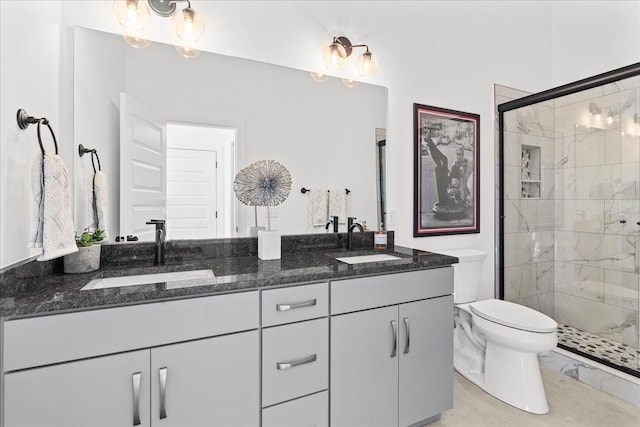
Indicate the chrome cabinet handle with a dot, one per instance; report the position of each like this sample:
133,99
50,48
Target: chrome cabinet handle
162,372
408,341
286,365
135,380
394,329
292,306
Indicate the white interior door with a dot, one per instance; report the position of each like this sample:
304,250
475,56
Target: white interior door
191,194
143,161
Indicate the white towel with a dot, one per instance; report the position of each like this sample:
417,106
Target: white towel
318,204
52,218
97,203
338,204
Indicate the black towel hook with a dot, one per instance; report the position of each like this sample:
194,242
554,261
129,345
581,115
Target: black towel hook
24,120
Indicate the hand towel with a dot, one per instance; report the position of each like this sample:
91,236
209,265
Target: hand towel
338,204
318,204
97,202
52,217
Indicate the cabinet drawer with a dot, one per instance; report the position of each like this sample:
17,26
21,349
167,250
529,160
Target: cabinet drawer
52,339
294,360
389,289
307,411
287,305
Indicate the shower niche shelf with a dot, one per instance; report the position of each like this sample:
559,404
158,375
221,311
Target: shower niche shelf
530,172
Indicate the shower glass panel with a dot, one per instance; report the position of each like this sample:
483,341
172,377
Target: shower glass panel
570,220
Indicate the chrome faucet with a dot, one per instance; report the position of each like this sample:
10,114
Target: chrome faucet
350,226
334,221
160,239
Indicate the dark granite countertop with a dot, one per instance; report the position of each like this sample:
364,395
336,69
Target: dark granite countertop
37,289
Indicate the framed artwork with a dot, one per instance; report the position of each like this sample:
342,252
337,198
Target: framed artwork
446,171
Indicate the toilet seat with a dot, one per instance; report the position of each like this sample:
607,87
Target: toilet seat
513,315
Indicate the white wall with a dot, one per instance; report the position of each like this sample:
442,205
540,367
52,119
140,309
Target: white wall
30,55
596,37
442,53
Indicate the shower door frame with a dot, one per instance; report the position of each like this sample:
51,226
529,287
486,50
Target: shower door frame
567,89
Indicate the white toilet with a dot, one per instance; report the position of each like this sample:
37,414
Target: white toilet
496,343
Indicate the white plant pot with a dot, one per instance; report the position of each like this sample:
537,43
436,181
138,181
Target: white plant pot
85,260
269,244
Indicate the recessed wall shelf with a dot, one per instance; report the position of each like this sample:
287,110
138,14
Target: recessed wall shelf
531,183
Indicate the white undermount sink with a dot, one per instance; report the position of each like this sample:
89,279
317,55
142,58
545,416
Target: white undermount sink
175,279
367,258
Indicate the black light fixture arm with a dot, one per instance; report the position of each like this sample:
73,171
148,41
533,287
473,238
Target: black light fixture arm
347,45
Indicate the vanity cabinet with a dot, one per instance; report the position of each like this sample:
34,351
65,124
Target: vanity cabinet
391,348
211,382
86,379
367,351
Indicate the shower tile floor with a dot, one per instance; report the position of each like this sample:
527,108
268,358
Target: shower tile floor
603,348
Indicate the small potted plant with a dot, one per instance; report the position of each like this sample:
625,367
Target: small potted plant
88,256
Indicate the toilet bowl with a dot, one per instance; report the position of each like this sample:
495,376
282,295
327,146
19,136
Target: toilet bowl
496,343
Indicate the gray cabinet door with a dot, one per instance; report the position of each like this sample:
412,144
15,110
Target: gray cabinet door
426,359
88,393
364,371
210,382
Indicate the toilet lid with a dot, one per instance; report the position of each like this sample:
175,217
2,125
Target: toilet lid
513,315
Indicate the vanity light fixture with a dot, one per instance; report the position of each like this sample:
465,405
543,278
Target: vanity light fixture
335,54
133,15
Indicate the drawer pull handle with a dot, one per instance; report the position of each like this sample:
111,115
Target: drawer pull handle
135,381
408,340
162,372
394,329
292,306
286,365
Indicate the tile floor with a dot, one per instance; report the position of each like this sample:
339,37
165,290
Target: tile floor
603,348
571,404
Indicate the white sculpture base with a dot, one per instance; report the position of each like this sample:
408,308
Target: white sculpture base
253,231
269,244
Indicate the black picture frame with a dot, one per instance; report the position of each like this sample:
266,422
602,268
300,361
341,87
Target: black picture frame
446,171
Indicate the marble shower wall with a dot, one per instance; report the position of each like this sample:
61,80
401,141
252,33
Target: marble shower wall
597,211
529,220
571,253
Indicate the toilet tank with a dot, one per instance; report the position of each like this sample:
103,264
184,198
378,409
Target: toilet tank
466,273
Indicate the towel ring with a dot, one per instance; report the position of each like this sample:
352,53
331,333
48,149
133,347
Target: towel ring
94,153
53,135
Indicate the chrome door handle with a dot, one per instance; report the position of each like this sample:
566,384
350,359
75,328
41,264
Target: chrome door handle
162,372
407,343
135,382
286,365
292,306
394,329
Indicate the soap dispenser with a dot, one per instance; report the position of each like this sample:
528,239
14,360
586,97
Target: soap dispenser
380,238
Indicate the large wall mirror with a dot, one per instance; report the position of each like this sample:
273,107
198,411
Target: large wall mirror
171,134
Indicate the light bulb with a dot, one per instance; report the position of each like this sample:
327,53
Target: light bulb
187,52
367,64
189,26
318,77
137,42
350,82
333,56
133,15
